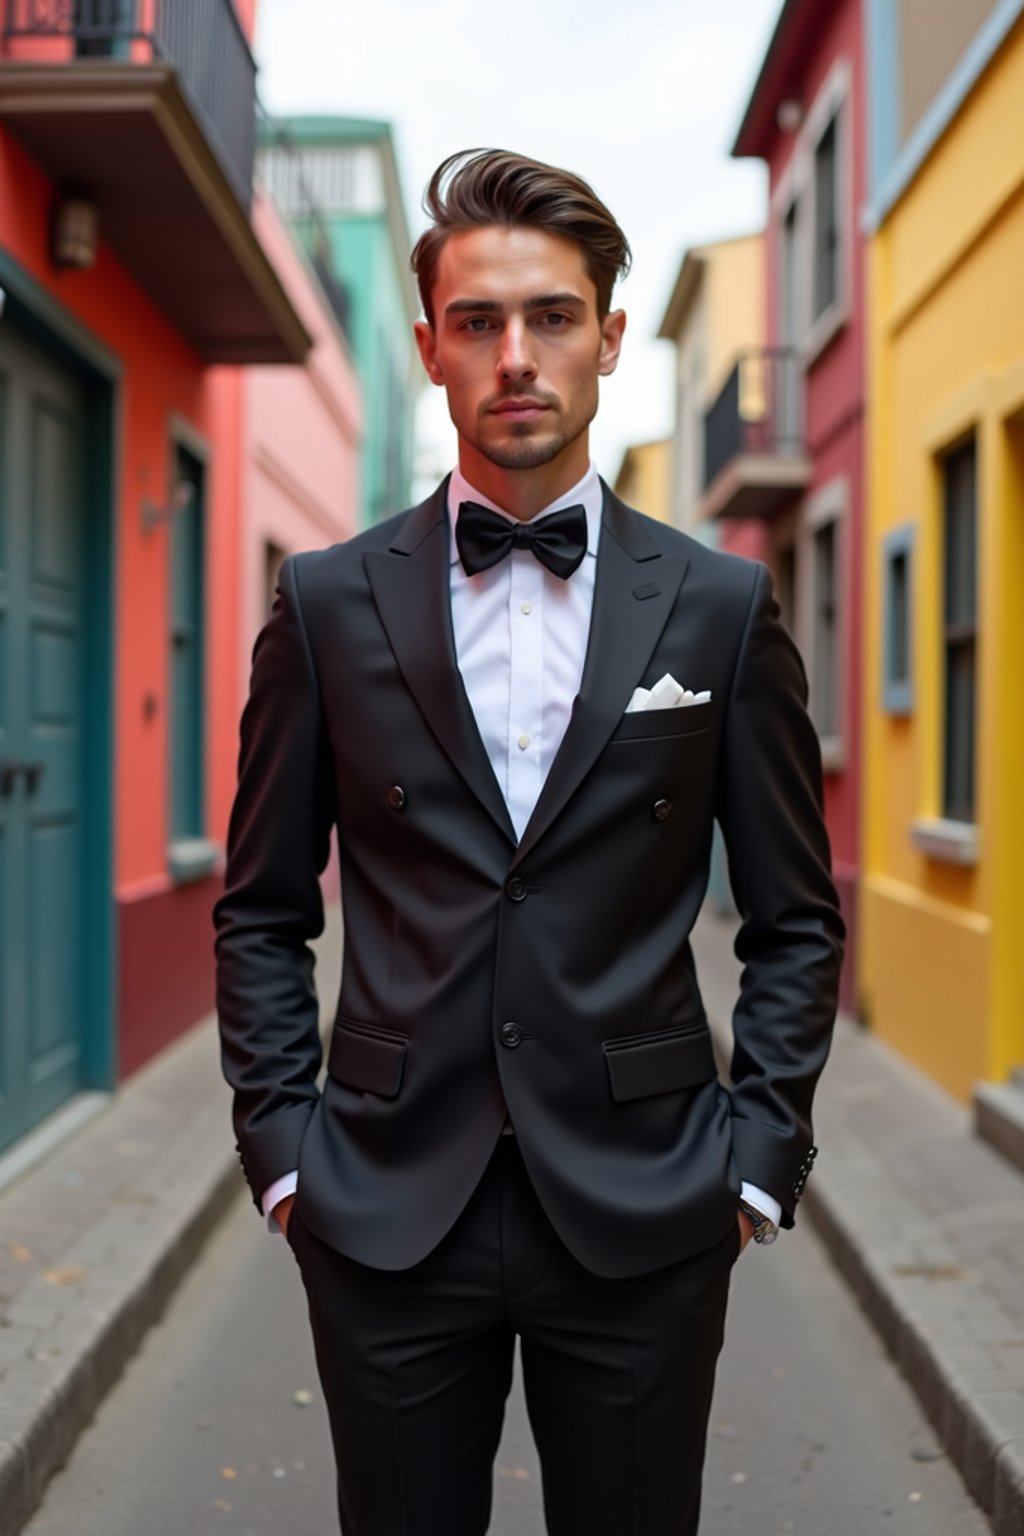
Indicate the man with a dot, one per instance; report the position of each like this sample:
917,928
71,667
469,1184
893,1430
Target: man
521,1130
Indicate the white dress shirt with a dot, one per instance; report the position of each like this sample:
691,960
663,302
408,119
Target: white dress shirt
520,642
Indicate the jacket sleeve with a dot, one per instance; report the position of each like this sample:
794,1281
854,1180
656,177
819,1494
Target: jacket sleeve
278,845
790,940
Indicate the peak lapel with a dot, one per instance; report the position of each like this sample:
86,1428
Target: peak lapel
410,586
634,590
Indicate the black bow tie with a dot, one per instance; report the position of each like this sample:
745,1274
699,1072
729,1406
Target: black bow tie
559,540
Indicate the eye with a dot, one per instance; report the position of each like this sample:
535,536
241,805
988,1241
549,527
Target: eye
475,324
555,320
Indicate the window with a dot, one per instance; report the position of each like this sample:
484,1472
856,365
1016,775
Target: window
897,693
826,221
824,637
186,701
820,614
785,584
813,217
273,559
960,626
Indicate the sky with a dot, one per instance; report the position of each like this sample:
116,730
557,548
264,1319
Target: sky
643,99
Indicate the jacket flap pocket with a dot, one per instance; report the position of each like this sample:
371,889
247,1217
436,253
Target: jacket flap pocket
371,1062
659,1064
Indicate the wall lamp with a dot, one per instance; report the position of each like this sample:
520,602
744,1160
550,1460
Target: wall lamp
180,499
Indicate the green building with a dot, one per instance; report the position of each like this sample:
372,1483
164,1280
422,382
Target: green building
336,181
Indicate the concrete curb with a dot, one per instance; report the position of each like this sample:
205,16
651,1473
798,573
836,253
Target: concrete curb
117,1213
979,1437
47,1403
925,1223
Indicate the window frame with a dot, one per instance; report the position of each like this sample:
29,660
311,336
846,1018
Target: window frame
190,857
798,185
829,505
897,692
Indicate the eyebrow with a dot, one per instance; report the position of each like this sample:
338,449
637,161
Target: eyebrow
491,306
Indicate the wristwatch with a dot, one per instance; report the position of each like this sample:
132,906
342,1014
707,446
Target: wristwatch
765,1230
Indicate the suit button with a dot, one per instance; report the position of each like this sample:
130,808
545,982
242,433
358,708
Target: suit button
516,889
662,810
511,1035
396,797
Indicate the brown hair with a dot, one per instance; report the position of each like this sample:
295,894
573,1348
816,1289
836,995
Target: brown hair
479,187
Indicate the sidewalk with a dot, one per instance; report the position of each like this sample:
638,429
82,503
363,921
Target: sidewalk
926,1223
95,1238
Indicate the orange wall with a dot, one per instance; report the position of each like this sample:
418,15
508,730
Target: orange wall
161,377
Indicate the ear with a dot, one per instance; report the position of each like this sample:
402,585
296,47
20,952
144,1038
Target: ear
612,328
427,343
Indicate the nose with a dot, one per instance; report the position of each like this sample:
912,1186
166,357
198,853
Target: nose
514,359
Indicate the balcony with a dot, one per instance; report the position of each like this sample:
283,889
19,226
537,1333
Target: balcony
148,109
755,464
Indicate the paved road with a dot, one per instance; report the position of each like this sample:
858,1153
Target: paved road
813,1431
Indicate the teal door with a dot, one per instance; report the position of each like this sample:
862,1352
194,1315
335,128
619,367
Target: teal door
43,413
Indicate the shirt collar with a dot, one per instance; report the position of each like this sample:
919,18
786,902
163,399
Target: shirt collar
587,493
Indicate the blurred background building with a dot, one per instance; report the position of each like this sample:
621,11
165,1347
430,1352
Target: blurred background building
206,363
359,236
179,409
943,901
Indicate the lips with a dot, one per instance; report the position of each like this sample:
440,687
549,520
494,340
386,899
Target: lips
520,410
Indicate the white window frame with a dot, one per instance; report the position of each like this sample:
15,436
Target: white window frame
828,505
833,101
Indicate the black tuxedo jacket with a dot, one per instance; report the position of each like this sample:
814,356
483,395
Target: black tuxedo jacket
553,977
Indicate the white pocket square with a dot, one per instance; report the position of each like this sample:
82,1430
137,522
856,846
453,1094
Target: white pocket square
666,694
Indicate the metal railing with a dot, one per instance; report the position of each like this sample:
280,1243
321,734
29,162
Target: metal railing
759,409
283,172
203,41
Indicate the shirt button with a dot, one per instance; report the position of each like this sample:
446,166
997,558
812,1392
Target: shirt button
523,743
526,608
511,1035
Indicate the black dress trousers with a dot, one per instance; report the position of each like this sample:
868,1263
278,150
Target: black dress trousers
416,1365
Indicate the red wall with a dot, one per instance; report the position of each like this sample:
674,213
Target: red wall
835,397
162,379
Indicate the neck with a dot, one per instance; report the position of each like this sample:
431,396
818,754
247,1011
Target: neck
522,493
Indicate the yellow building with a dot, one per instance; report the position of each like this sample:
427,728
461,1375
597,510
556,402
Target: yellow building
715,313
942,915
643,478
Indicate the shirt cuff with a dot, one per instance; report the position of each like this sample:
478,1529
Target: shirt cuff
281,1188
758,1198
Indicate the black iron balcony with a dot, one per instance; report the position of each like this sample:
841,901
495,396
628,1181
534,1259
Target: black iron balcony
201,39
755,463
147,109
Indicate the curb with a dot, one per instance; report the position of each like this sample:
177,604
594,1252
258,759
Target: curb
38,1432
981,1448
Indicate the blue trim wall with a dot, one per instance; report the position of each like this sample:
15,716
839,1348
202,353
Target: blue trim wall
891,169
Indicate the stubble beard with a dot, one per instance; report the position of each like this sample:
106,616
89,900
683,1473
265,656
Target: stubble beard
529,449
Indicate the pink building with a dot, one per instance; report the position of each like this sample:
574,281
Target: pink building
785,438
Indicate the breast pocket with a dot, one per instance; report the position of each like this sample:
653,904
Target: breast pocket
656,724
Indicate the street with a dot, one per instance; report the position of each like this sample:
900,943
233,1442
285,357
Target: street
210,1430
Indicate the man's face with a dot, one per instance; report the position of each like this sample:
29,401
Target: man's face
518,346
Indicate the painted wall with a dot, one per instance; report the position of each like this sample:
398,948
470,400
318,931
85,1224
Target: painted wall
942,968
643,478
162,383
834,415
